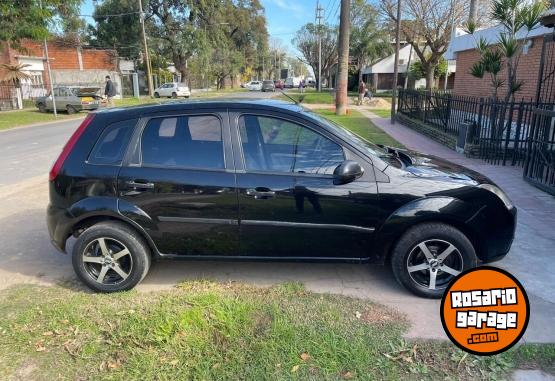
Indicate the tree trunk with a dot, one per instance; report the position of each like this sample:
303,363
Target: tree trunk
429,77
341,99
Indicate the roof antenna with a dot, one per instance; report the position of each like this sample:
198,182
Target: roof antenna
288,96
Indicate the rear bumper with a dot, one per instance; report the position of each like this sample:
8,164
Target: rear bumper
59,226
89,107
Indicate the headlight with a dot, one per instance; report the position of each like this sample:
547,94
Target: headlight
499,193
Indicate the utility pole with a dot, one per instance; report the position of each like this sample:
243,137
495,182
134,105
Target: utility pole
319,16
147,56
396,68
341,99
49,74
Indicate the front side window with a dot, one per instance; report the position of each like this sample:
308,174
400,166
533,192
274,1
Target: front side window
277,145
183,141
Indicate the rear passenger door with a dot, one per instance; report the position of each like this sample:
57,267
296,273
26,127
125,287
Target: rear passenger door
178,182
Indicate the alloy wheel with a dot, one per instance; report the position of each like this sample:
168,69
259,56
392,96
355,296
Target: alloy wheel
107,261
433,263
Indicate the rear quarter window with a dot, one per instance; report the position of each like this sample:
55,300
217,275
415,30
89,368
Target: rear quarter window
110,146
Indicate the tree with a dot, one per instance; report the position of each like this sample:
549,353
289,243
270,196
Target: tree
187,31
27,19
416,71
341,99
427,25
13,73
368,42
306,41
117,32
513,16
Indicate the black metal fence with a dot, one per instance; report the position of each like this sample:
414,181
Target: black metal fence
499,133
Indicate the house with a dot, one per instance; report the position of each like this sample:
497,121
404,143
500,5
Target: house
71,65
380,75
463,49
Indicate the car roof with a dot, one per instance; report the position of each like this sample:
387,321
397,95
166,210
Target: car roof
184,105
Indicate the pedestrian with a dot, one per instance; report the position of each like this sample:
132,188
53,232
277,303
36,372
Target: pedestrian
109,92
301,86
361,92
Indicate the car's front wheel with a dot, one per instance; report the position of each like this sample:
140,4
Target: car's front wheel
111,256
428,256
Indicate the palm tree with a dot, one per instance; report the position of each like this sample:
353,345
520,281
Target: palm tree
14,73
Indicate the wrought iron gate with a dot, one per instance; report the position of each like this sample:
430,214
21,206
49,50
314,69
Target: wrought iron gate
539,168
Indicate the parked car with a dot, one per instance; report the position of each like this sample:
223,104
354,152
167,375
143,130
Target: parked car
255,86
172,90
279,182
279,84
70,99
291,82
246,85
268,86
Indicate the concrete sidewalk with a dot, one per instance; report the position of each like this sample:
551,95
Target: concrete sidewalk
532,257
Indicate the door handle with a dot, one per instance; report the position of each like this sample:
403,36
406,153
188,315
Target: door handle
261,193
140,184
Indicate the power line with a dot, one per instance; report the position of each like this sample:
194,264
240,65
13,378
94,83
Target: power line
330,9
111,15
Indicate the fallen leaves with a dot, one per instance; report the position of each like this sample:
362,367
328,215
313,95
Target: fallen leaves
39,346
305,356
295,368
347,375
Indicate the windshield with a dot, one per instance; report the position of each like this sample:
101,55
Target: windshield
371,148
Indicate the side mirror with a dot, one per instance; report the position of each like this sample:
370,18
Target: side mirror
347,172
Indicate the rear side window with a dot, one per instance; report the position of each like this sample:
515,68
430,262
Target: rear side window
183,141
111,145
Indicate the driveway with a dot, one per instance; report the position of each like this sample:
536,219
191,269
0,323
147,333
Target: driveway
26,255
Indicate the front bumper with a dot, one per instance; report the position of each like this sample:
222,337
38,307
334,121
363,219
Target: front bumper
496,232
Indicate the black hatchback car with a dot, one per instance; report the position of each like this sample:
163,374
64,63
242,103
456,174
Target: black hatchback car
264,180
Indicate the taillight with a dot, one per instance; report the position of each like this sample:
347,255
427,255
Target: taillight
69,146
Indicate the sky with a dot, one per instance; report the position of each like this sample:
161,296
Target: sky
284,17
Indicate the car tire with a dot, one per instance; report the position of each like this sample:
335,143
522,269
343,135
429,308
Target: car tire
428,256
90,263
42,107
70,109
174,95
156,95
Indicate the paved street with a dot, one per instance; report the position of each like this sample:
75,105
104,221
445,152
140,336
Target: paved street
26,254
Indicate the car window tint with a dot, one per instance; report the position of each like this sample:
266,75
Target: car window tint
278,145
192,142
111,144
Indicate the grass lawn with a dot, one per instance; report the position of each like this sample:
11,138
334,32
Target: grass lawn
362,126
311,96
9,119
383,113
213,331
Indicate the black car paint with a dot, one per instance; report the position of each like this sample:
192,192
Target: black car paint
234,213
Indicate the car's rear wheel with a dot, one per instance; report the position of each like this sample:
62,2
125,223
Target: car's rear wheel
156,95
42,107
70,109
111,257
428,256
